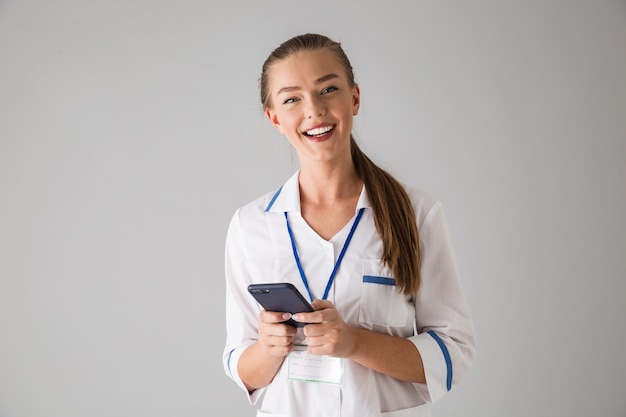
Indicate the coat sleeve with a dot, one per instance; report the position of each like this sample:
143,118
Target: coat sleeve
445,333
241,310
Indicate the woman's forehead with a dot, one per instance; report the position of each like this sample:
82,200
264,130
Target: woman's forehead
305,67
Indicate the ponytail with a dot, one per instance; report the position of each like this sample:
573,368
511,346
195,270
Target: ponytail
395,221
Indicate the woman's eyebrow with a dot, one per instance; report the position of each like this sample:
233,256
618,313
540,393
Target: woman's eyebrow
318,81
287,90
326,78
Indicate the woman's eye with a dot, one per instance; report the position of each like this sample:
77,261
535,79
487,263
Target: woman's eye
290,100
329,90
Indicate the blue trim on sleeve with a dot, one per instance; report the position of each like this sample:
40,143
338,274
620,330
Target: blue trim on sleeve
379,280
229,355
446,356
269,206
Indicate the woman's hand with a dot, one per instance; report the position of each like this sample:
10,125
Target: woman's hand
260,362
275,338
327,334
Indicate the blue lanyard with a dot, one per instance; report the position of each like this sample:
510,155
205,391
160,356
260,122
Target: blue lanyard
332,274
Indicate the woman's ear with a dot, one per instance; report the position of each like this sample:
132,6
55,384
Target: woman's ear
356,100
273,118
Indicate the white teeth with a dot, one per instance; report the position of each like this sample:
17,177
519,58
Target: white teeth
319,131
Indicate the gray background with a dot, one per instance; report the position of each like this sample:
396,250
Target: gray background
130,132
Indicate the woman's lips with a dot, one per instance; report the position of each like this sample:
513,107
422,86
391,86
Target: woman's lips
319,132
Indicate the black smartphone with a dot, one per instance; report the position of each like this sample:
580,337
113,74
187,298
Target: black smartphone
281,296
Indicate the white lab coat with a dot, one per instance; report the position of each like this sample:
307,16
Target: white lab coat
258,249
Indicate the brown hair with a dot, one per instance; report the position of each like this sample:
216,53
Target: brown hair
394,215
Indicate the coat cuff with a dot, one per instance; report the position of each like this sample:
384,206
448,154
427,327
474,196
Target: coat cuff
231,363
437,366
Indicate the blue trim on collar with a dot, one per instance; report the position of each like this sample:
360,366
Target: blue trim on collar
446,356
269,206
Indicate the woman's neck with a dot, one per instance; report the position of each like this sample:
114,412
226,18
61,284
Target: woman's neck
329,185
328,198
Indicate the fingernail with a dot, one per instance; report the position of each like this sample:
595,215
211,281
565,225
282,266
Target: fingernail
286,316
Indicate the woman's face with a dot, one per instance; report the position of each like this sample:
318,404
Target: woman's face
313,105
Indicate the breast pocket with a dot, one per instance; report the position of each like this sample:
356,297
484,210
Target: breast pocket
381,302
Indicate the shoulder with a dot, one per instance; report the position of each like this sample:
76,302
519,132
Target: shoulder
257,207
424,203
281,199
249,220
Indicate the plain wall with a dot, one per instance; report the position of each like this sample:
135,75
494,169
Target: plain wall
131,131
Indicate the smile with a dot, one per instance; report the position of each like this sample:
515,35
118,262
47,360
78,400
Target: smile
319,131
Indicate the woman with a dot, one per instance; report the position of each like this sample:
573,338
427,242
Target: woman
391,329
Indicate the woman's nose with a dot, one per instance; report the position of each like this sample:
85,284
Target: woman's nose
315,108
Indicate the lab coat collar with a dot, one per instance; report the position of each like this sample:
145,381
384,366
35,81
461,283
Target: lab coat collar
287,198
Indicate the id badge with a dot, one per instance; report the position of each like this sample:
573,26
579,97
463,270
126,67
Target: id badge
304,366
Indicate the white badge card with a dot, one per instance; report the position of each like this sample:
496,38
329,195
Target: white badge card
314,368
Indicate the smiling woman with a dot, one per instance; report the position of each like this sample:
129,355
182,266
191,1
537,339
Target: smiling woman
373,255
311,101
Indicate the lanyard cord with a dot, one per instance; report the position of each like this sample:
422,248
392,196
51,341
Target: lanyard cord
339,259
